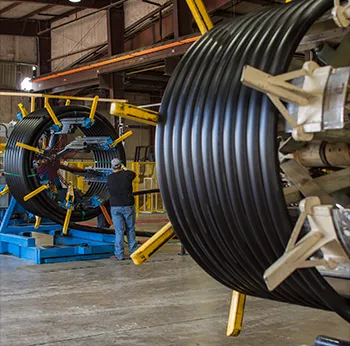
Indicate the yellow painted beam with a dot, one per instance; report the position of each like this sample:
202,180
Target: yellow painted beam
200,15
23,110
235,320
36,192
134,113
2,147
57,97
153,244
29,147
121,138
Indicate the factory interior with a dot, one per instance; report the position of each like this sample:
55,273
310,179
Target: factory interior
175,172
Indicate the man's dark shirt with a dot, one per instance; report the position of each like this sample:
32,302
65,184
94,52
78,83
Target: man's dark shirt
120,188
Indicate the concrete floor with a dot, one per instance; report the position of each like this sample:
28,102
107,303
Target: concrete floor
167,301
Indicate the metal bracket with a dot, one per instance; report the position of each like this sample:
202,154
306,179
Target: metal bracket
341,14
309,99
68,123
323,236
89,143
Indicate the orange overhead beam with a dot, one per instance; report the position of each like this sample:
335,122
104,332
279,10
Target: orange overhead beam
116,59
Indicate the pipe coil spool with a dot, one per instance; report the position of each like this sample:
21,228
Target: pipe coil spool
18,162
217,157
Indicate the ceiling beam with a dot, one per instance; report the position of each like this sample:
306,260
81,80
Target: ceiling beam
9,26
82,4
66,14
9,7
34,13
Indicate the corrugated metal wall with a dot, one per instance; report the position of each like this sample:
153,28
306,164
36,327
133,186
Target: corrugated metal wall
12,75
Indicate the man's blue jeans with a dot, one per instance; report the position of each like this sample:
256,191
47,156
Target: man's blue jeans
124,216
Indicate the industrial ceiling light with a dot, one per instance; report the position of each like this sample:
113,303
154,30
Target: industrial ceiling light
74,0
27,84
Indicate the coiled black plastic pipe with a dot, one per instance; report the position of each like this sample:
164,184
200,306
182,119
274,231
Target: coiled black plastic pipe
217,156
21,178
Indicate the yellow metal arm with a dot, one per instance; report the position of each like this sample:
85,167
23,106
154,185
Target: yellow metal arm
235,320
29,147
69,205
35,192
131,112
23,110
93,109
5,191
51,112
37,222
200,15
153,244
121,138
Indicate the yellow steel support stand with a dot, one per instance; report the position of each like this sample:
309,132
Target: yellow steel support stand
235,320
5,191
35,192
70,207
67,103
131,112
153,244
37,222
23,110
32,104
29,147
121,138
51,112
200,15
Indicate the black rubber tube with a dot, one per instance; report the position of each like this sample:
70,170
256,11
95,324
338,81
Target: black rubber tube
21,178
217,158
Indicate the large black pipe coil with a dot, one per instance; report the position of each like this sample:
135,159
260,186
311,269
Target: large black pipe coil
18,165
217,156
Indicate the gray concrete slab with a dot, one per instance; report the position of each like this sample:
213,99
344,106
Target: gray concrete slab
167,301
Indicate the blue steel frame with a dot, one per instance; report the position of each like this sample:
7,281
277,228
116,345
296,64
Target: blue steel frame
77,245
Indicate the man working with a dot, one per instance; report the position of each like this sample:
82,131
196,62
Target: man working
122,207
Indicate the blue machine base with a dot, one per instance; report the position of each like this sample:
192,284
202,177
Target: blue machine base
18,241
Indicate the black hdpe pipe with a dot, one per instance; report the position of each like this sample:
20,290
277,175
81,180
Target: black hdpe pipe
18,162
217,161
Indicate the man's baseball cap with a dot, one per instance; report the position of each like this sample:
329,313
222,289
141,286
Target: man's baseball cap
116,163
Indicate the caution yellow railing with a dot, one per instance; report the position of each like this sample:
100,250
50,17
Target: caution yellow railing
146,179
